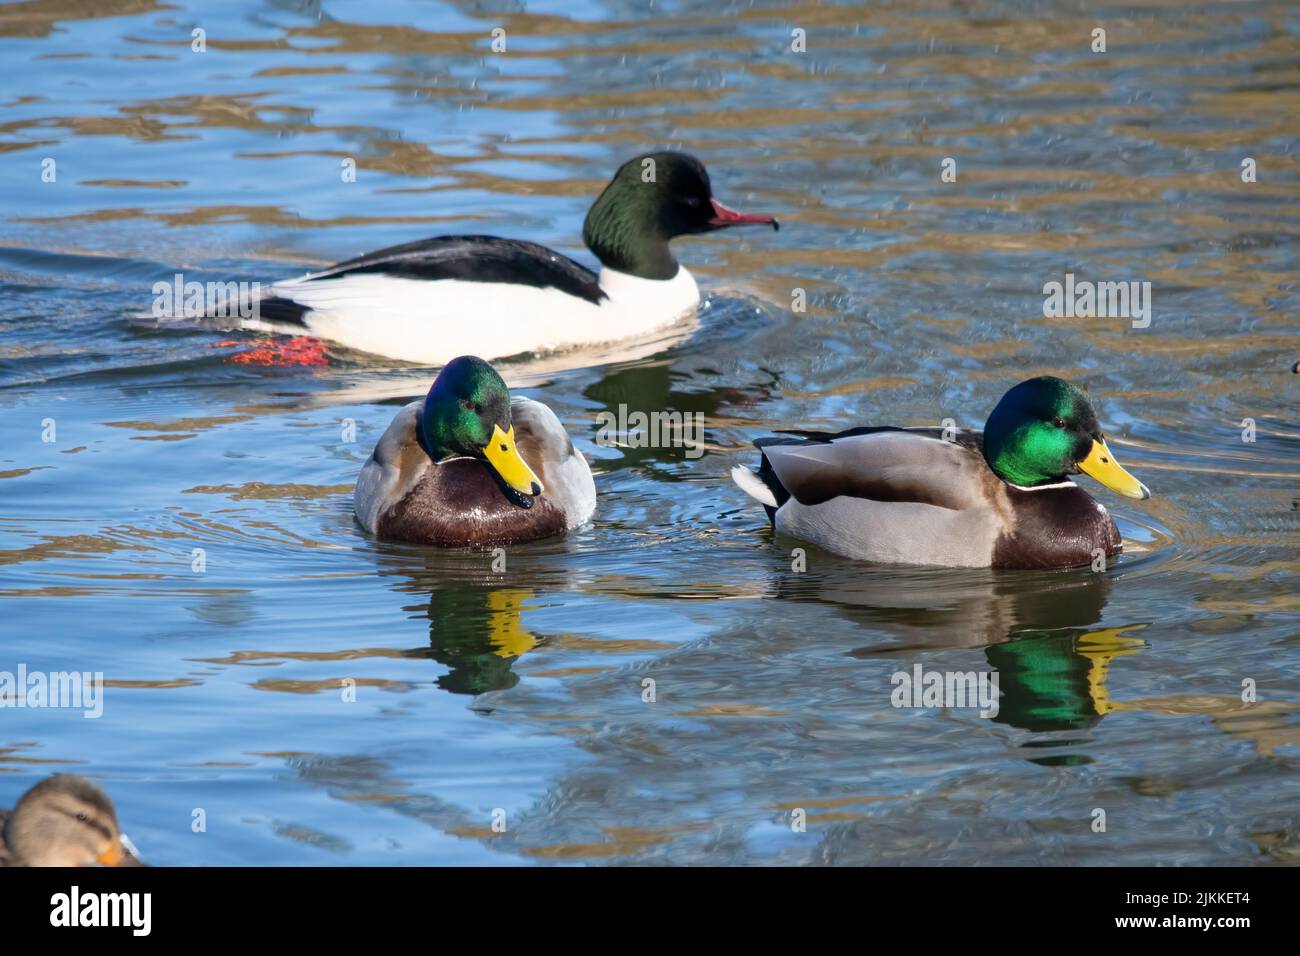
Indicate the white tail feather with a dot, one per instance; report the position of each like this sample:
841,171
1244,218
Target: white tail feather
753,485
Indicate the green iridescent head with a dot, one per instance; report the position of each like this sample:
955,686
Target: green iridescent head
652,199
1045,429
467,415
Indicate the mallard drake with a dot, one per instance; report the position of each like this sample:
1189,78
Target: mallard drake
470,465
64,820
430,300
959,498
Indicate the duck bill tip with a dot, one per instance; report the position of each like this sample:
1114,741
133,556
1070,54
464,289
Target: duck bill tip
120,854
725,216
1101,466
503,457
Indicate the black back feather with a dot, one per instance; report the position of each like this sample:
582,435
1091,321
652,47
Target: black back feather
476,259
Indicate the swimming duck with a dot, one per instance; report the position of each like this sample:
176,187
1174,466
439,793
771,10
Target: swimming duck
430,300
64,820
470,465
918,496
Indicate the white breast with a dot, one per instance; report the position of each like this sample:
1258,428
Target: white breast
433,321
644,305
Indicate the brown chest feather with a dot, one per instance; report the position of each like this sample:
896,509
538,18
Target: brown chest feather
459,503
1057,528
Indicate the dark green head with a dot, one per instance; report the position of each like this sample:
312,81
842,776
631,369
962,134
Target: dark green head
1045,429
651,200
467,414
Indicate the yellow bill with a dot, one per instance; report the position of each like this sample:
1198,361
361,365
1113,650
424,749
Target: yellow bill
1101,465
504,457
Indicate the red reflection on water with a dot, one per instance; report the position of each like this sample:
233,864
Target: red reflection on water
276,352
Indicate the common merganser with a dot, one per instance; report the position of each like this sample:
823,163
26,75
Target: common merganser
435,299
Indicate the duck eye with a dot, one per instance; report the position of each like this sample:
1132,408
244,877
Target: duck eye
1058,421
692,201
82,816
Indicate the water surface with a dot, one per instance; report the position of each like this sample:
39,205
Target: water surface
520,692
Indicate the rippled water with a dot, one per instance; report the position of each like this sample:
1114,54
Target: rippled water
521,691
